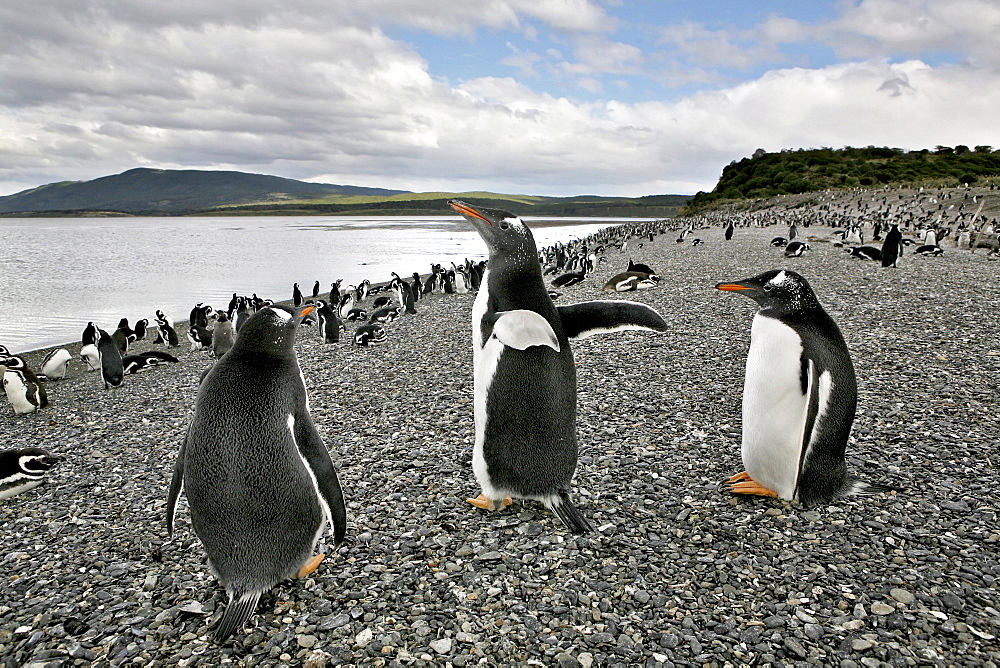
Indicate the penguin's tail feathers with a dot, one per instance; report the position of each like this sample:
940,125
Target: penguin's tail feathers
564,509
856,486
237,614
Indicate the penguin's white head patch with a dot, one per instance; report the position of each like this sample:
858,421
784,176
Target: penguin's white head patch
781,280
514,223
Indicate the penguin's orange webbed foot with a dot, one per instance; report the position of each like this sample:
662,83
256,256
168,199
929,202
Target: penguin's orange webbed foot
486,503
310,566
752,487
739,477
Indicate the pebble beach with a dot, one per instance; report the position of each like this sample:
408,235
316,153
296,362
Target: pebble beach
678,572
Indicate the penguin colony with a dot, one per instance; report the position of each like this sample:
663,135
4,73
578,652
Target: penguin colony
793,450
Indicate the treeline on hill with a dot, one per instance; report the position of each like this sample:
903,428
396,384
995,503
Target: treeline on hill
792,172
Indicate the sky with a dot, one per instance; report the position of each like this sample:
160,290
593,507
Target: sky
546,97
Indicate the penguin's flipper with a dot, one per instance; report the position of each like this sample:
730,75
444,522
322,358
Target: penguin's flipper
603,316
176,483
522,329
317,458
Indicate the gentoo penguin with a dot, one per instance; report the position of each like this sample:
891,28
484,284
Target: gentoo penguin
112,368
223,335
371,334
55,364
796,248
892,246
730,228
330,325
524,374
90,357
23,469
24,391
799,395
258,478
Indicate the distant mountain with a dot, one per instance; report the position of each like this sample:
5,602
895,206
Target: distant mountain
172,192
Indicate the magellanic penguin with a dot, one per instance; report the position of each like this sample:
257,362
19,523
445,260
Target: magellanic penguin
799,395
112,368
258,478
23,469
525,378
25,392
892,246
55,364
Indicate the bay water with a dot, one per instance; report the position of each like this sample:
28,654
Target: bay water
56,274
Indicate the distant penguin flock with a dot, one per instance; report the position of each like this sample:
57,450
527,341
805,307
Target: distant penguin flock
261,485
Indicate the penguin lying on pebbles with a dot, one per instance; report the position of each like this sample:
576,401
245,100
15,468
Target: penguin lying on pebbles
259,481
799,396
525,378
23,469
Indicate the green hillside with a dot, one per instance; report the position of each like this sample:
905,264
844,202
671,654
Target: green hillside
170,192
810,170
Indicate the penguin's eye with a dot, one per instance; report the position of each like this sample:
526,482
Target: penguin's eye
504,225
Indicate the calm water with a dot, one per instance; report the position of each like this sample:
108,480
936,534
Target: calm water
56,274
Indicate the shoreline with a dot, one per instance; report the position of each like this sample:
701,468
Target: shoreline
677,571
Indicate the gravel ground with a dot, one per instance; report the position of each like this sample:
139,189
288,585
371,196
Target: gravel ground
679,572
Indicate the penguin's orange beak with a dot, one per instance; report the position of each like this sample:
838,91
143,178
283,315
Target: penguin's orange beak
732,287
467,210
307,310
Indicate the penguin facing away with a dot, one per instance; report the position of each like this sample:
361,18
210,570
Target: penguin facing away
259,481
799,396
524,374
112,368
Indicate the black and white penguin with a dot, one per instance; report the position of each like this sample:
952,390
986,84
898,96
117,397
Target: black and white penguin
779,242
892,246
242,315
730,229
346,304
381,301
415,286
799,395
223,335
55,364
140,329
90,334
200,337
792,232
404,295
23,469
112,368
568,278
796,248
297,298
259,480
387,314
24,391
315,293
639,267
90,357
928,249
123,336
330,324
335,292
629,281
371,334
866,253
168,334
134,363
525,377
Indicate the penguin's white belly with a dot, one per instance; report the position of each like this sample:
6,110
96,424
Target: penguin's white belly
484,364
17,392
774,406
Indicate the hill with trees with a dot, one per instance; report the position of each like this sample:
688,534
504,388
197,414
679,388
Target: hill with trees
809,170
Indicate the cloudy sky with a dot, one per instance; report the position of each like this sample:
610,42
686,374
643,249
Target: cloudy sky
554,97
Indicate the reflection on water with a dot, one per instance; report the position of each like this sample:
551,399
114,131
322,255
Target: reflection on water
56,274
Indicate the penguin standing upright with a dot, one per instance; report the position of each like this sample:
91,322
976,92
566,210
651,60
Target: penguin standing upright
223,335
799,395
404,295
730,228
23,469
112,367
259,481
297,298
24,391
892,246
330,324
524,374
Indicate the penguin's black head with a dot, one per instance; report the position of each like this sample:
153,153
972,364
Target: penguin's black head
271,330
35,460
501,230
778,290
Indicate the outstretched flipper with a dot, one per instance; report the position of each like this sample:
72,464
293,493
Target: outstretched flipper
603,316
522,329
